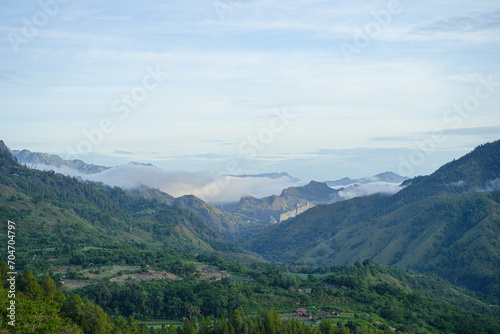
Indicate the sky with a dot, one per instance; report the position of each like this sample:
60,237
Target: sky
318,89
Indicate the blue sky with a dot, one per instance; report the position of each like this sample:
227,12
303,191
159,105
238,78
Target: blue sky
319,89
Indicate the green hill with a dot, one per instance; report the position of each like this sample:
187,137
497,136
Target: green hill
220,221
477,171
445,223
53,210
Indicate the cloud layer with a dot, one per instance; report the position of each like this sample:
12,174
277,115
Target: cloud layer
379,187
205,185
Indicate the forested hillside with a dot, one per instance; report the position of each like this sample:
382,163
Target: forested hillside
55,211
447,223
361,298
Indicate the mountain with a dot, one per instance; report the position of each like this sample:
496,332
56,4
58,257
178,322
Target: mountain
316,192
213,217
53,210
141,164
262,212
236,220
220,221
295,200
257,212
35,158
388,177
476,171
383,183
263,209
301,208
3,148
446,223
153,194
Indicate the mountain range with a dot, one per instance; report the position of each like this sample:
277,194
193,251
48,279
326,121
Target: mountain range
388,177
173,256
57,210
447,223
36,158
236,220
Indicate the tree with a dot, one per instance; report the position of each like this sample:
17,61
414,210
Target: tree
326,327
189,327
237,320
49,288
29,285
4,269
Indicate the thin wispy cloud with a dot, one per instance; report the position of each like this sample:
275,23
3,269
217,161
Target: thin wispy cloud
477,21
474,131
123,152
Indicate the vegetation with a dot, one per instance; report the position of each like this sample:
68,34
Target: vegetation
360,298
62,212
41,308
446,223
95,259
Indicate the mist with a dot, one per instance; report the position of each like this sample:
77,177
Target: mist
366,189
491,185
210,187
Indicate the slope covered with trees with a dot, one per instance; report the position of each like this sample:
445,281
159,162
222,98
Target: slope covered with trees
447,223
53,210
360,298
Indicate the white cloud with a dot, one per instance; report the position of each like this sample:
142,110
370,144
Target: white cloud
203,184
359,190
491,185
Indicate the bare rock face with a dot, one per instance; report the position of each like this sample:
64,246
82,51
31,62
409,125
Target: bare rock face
293,213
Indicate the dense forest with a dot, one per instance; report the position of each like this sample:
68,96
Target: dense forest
361,298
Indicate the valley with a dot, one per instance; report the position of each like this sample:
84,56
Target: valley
424,259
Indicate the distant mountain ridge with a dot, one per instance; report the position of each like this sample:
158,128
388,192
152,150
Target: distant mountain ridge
269,176
388,177
471,173
37,158
295,200
316,192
